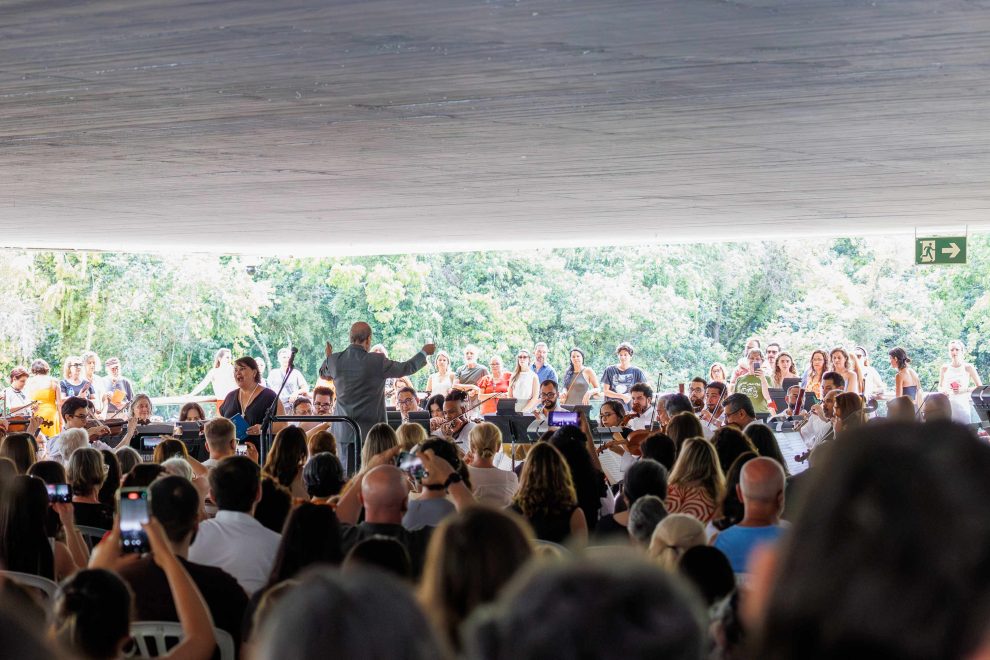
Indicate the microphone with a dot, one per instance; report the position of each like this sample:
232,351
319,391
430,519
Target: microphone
292,358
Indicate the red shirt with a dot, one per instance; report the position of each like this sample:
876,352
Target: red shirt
491,385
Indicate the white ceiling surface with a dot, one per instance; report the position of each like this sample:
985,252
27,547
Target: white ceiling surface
326,127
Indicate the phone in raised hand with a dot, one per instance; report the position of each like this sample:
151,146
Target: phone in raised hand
134,507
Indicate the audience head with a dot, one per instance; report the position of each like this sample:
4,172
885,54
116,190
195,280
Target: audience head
380,552
697,464
108,491
409,435
583,610
765,442
86,472
644,516
716,373
235,484
51,472
485,440
128,457
661,448
675,535
323,475
274,506
175,504
936,408
682,426
332,610
221,437
320,442
92,614
311,536
384,494
24,545
19,448
901,409
471,556
895,576
178,467
729,443
286,456
142,475
709,570
170,448
731,507
545,486
644,477
678,403
381,437
761,485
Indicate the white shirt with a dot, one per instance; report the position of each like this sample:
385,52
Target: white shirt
815,431
494,486
238,544
461,439
523,388
642,421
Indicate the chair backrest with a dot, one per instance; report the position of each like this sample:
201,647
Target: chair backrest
27,580
550,548
93,535
155,638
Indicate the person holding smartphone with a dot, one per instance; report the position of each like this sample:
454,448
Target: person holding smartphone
754,383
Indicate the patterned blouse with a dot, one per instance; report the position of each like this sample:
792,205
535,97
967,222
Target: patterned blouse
691,500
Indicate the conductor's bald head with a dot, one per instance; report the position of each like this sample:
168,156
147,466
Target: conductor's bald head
361,333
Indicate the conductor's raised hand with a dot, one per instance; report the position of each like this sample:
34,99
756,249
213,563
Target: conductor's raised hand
329,350
429,349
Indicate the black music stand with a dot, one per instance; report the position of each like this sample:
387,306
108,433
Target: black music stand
513,427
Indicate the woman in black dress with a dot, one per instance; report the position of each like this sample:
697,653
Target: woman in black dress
250,399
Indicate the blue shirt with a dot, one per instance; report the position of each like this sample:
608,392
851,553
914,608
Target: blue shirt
737,542
545,372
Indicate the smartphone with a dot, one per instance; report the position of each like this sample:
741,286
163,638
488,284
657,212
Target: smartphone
558,418
757,365
241,449
133,505
59,494
411,464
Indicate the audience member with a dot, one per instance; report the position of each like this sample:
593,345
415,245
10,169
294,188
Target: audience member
221,440
174,503
906,382
491,485
644,516
86,474
285,460
708,569
320,442
761,489
19,448
765,442
580,382
846,366
380,438
274,506
432,505
936,408
546,497
471,557
901,409
468,377
108,491
441,381
685,425
311,536
324,477
234,540
676,534
730,509
127,457
142,475
661,448
409,436
584,610
730,442
380,552
696,483
586,475
645,477
618,379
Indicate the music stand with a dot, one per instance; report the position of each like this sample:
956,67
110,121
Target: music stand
506,407
512,426
778,396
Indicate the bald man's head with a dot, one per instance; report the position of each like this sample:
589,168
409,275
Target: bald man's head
937,407
384,493
762,479
360,333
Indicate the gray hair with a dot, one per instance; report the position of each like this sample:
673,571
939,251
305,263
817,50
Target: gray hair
71,440
178,467
644,516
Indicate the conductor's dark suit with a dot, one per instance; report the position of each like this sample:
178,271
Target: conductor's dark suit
359,377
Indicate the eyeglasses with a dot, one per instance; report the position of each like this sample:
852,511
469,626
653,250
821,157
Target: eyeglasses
406,402
603,415
76,364
83,416
322,405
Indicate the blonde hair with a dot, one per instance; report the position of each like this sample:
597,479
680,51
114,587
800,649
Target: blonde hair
697,465
485,440
69,360
673,536
410,435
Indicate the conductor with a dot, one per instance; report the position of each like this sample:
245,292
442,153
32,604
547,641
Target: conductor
359,377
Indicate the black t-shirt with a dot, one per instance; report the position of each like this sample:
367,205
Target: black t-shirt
555,528
255,413
93,515
609,529
622,381
153,599
415,540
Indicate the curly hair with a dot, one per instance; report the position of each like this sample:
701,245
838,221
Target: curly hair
546,486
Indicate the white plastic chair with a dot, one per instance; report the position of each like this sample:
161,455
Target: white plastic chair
165,634
27,580
92,535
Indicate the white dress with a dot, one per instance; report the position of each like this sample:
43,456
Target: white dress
962,404
522,389
440,385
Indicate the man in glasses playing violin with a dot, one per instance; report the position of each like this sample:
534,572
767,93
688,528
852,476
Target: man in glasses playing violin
75,414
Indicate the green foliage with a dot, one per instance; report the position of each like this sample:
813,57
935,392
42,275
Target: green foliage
682,306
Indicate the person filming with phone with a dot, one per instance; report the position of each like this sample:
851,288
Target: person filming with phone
754,382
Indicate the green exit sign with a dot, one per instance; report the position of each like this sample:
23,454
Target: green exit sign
940,250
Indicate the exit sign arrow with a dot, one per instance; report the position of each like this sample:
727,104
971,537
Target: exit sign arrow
953,250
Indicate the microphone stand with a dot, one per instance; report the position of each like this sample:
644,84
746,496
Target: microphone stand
656,400
270,414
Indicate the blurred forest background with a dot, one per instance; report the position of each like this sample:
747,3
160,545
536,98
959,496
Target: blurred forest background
682,306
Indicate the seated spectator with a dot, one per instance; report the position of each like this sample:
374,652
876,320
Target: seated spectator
142,475
739,410
320,442
546,497
274,506
675,535
761,489
69,441
26,546
661,448
696,483
578,451
221,440
708,569
765,442
311,536
471,557
901,409
234,540
894,576
380,552
108,491
285,460
685,425
730,509
381,438
51,472
582,610
86,475
127,457
18,447
330,611
324,477
432,505
410,435
491,485
178,467
936,408
644,477
93,609
644,516
730,443
8,471
175,504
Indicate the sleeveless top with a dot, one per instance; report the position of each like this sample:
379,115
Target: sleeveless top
956,375
255,412
961,403
576,389
441,386
910,391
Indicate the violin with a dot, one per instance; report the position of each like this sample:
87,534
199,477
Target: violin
18,421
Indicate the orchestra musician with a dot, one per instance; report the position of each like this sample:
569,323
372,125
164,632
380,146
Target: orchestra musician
75,415
457,425
713,415
15,396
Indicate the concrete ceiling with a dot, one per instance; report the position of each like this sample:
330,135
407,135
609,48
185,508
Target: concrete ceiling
369,126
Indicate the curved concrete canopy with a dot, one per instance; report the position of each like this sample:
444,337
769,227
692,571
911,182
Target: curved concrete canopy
326,128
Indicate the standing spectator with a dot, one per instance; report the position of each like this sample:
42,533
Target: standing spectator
492,386
618,379
295,386
783,368
442,380
544,371
524,386
580,382
117,390
221,377
956,380
469,376
906,382
73,383
812,378
848,368
873,385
